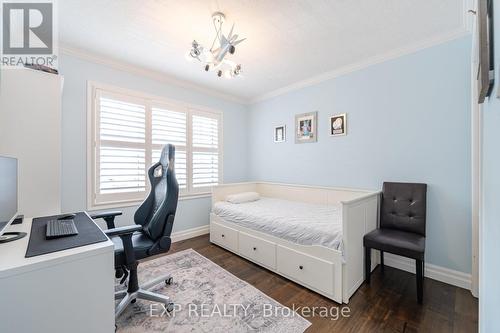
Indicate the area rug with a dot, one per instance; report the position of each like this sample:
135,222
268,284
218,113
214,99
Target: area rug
207,299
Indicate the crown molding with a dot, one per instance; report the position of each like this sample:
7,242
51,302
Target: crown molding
144,72
165,78
396,53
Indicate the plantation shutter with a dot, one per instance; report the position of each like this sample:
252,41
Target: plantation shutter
171,127
205,150
121,153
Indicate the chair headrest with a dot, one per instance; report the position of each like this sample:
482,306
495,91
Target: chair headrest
167,157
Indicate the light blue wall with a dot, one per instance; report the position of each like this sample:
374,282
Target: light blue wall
408,120
489,269
191,213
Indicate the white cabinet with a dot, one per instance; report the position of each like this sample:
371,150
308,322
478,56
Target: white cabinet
30,130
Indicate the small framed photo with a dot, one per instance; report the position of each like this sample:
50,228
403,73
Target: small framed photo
338,124
306,127
280,133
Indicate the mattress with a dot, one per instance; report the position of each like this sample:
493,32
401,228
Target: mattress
301,223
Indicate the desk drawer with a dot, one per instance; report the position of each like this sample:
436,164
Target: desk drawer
311,271
224,236
258,250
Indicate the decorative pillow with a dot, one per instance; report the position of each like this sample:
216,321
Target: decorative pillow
243,197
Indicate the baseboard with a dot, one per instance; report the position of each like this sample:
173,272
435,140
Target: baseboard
446,275
189,233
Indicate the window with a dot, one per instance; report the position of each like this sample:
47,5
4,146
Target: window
127,134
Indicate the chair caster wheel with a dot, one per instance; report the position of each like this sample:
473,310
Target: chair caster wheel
133,301
170,307
169,281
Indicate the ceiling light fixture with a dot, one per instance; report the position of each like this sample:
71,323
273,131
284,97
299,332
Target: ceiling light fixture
215,59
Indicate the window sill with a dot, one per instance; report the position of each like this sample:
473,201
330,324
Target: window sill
126,204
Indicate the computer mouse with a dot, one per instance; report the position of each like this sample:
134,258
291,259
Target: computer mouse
67,217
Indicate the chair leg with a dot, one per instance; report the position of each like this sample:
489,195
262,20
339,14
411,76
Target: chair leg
135,292
420,279
153,297
158,280
423,272
368,264
129,297
120,294
382,261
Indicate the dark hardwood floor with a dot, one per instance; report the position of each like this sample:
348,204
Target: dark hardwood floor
388,305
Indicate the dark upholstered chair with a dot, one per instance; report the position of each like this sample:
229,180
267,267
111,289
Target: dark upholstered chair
149,236
402,228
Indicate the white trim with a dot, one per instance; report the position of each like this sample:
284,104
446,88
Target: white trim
144,95
476,144
190,233
438,273
393,54
182,197
89,142
147,73
476,188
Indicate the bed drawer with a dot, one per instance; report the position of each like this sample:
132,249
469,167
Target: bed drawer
311,271
224,236
258,250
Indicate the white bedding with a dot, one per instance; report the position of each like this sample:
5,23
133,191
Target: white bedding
301,223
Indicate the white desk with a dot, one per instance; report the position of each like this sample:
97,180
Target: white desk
65,291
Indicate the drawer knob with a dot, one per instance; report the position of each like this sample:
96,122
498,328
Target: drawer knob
301,267
255,249
222,235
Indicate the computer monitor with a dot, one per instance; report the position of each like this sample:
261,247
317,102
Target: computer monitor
8,192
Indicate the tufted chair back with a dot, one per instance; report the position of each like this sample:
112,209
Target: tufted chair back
404,207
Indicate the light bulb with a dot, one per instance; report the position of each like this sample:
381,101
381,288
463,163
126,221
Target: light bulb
237,70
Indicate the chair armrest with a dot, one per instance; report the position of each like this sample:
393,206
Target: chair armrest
108,217
122,231
125,234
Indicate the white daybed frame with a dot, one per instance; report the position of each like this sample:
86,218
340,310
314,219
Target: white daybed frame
318,268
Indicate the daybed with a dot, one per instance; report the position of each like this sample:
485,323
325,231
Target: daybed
311,235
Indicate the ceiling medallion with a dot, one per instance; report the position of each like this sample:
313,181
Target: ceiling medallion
216,58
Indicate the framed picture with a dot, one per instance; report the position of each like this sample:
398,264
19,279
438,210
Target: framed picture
280,133
338,124
306,127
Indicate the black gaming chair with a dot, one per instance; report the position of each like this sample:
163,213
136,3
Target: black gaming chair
149,236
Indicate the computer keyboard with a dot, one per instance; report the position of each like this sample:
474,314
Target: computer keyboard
60,228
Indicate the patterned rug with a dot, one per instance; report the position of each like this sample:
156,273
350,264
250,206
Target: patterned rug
207,299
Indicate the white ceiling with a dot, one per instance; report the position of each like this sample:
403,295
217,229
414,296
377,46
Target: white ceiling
288,41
